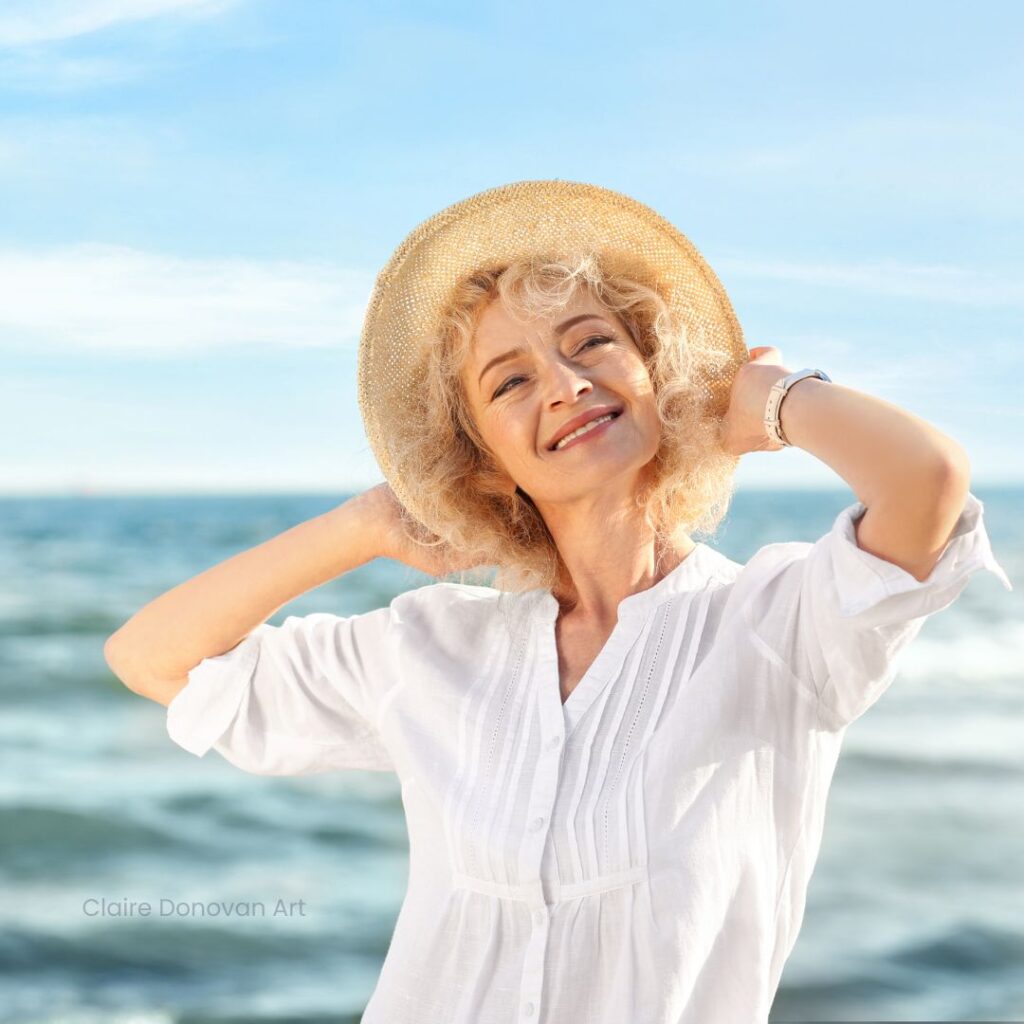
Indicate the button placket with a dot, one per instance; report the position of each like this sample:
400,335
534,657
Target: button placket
545,788
533,969
544,796
538,821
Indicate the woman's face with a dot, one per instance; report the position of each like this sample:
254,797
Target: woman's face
527,381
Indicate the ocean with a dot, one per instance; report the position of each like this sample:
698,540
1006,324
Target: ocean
142,885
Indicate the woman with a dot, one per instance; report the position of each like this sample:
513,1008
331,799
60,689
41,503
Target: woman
615,762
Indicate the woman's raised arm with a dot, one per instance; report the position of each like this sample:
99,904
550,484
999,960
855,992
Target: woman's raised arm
153,652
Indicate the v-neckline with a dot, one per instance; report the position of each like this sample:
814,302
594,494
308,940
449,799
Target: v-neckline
598,674
632,613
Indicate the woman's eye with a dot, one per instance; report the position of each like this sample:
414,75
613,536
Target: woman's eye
599,338
504,387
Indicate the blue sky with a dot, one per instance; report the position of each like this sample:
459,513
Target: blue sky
197,196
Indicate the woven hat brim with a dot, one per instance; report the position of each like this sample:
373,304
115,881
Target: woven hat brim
525,218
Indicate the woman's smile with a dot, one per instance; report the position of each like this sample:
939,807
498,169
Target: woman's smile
595,428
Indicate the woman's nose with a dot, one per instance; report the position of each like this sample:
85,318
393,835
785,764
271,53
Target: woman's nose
562,381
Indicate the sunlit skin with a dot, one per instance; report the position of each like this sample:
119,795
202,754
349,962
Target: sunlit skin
585,492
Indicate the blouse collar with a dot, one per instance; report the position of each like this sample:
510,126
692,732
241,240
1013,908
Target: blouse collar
694,572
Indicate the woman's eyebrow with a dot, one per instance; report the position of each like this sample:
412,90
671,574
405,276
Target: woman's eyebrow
519,350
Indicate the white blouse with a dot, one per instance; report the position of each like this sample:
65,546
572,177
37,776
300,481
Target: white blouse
641,853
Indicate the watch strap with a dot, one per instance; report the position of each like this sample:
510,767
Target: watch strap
779,390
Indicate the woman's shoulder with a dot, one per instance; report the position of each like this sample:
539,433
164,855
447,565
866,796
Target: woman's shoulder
456,620
764,561
458,603
445,594
735,582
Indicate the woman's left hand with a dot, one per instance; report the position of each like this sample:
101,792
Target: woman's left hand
741,430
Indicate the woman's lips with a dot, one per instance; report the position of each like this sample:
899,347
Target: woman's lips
588,434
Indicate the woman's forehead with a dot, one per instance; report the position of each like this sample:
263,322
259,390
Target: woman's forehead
498,320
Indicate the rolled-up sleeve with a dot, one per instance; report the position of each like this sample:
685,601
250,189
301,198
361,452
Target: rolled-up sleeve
295,699
839,617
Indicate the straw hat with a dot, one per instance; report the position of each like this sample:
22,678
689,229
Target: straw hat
551,218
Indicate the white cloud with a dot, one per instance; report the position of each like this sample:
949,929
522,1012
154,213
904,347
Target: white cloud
115,298
30,22
58,74
932,282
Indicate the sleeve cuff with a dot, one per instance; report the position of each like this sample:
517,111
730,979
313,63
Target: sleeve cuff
202,710
863,579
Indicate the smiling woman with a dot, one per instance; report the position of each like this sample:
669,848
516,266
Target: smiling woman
614,806
509,334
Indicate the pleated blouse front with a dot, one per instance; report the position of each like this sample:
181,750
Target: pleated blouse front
641,853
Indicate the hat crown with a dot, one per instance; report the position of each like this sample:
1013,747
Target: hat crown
551,218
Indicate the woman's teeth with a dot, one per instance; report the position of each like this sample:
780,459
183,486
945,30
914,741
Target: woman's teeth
582,430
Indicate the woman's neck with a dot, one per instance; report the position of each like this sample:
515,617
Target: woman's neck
648,567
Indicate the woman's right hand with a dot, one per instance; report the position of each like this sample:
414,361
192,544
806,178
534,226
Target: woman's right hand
392,541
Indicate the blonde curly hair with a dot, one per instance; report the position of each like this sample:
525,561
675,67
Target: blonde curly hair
461,486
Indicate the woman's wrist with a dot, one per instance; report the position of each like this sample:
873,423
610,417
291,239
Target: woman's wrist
358,525
795,400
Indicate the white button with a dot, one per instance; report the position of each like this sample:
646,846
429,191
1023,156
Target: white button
538,915
553,742
536,824
529,1009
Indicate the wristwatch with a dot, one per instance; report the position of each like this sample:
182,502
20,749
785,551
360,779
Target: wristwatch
772,426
